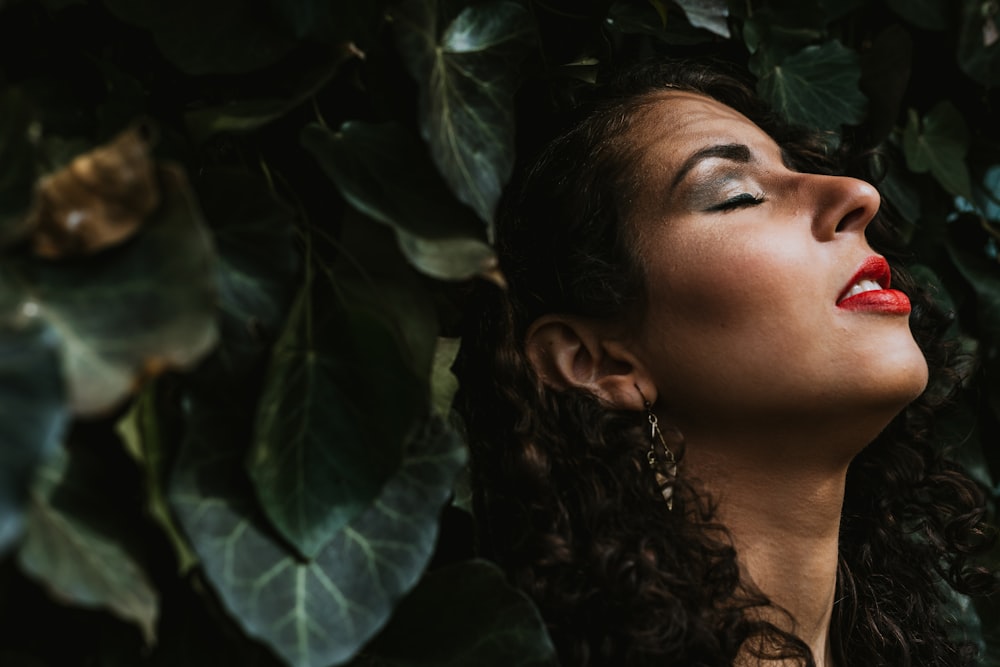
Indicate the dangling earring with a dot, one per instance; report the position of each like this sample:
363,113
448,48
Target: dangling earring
665,470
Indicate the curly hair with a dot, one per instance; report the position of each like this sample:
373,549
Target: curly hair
559,497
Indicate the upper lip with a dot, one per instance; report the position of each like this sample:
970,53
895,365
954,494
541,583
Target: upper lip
874,268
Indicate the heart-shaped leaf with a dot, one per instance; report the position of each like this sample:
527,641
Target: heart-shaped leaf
385,173
465,66
320,612
131,310
317,460
817,87
33,413
461,615
938,144
75,560
712,15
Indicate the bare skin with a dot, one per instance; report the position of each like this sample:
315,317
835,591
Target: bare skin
747,343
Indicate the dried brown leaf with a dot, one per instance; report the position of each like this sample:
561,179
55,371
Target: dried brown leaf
99,199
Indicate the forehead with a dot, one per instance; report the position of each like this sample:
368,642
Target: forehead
677,123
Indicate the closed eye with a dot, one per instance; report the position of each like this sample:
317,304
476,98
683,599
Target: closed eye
742,200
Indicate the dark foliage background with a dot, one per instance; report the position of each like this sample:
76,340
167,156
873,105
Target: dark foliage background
234,236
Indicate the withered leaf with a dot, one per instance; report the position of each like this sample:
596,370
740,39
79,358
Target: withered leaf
98,200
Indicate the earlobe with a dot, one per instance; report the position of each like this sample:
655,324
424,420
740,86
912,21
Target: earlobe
572,352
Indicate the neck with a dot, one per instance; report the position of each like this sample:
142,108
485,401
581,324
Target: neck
783,513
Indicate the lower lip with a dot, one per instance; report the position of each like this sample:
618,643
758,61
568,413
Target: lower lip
889,301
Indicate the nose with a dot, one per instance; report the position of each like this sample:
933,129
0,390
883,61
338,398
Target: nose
842,205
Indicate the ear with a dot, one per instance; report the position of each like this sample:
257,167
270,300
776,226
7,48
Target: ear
568,351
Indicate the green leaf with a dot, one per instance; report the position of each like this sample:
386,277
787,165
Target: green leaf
141,435
250,114
938,144
75,560
320,612
218,37
899,190
132,310
712,15
644,19
444,384
17,164
384,172
979,42
464,614
319,458
33,415
926,14
983,275
465,66
817,87
885,68
259,263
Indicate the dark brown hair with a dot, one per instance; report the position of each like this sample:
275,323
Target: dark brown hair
561,500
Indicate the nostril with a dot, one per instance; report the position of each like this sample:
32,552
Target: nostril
854,218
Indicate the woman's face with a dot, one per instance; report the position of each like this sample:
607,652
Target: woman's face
750,266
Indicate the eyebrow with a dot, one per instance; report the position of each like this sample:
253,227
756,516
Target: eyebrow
735,152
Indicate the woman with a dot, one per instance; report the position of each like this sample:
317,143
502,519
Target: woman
698,414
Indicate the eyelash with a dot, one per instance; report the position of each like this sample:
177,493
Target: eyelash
742,200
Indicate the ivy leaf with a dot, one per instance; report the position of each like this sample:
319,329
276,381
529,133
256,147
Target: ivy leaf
258,268
938,144
460,615
245,115
817,87
75,560
711,15
886,67
465,68
320,612
218,37
33,415
133,310
384,172
644,18
966,248
444,384
926,14
317,460
979,42
141,435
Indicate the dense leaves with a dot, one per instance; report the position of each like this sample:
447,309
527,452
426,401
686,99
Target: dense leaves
134,310
33,414
433,625
817,86
385,173
315,465
225,344
466,67
75,559
319,611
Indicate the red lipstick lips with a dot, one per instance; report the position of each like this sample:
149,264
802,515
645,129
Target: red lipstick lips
868,298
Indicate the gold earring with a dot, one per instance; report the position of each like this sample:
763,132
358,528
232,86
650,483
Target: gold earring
666,470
